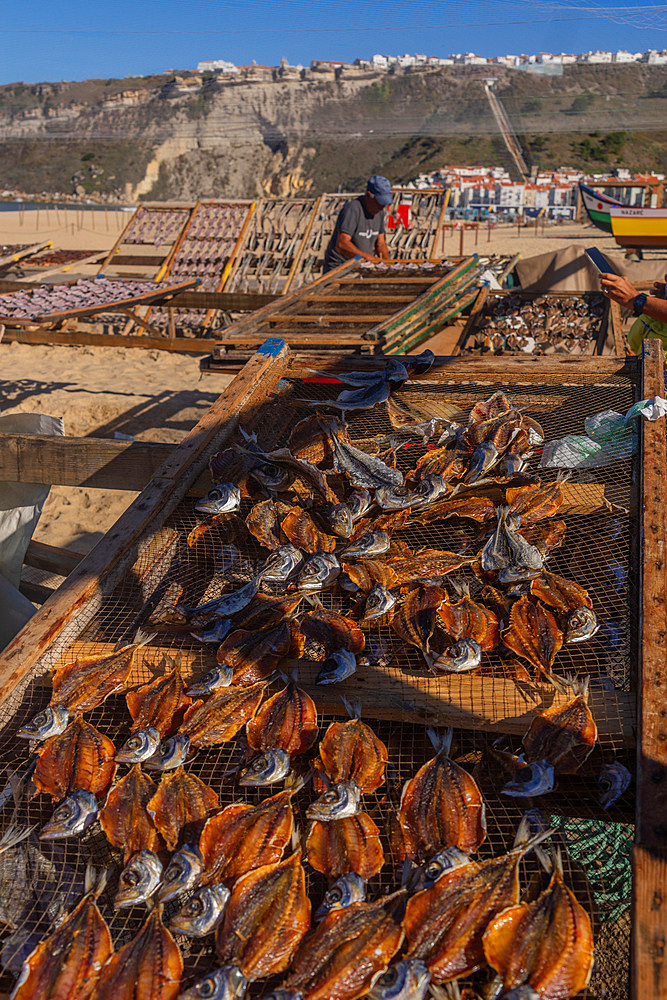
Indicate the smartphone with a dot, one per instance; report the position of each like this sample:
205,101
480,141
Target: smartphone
599,261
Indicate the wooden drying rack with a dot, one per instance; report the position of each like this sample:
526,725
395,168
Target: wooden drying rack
140,533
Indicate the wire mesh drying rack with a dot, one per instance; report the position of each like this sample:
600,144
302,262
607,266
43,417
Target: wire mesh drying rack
117,587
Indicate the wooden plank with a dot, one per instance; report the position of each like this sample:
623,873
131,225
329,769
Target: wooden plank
299,337
302,246
51,558
229,301
136,259
74,602
472,318
467,701
191,345
324,318
94,462
361,297
29,251
649,913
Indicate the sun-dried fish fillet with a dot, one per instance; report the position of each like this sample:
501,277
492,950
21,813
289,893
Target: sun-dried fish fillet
471,508
85,683
563,735
544,535
265,611
244,836
181,799
447,462
535,501
266,917
66,965
149,967
300,529
225,528
466,619
253,656
559,593
160,704
547,944
350,751
367,572
79,758
220,717
125,818
287,721
263,522
346,951
345,845
441,807
533,634
426,565
415,619
333,630
489,408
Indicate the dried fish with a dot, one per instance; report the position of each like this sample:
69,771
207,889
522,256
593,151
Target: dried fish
559,593
426,565
87,682
347,889
344,954
263,522
544,535
445,923
338,802
141,746
66,965
319,571
408,979
183,872
582,624
530,780
267,915
149,967
244,836
221,984
160,704
125,818
281,564
466,619
72,817
227,528
373,543
202,912
359,501
482,460
363,470
365,574
215,633
51,721
267,611
379,602
287,720
533,634
448,462
166,611
307,440
343,846
614,779
535,501
220,717
563,735
170,754
547,943
339,517
226,604
221,499
396,498
181,800
269,767
478,509
254,656
489,408
350,751
282,458
415,619
460,658
79,758
337,667
139,880
333,630
217,677
300,529
508,549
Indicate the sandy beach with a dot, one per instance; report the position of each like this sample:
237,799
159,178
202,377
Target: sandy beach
154,395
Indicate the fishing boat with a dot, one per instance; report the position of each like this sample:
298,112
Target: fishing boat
598,207
639,227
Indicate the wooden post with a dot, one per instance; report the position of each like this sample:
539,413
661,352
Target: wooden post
476,233
649,856
461,236
488,234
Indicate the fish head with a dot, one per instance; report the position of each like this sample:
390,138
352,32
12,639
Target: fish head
582,624
345,890
339,801
337,667
273,477
395,497
170,754
139,879
340,520
227,983
217,677
222,498
444,861
518,575
358,502
346,583
51,721
379,602
536,778
613,780
140,746
407,979
373,543
266,768
202,911
318,572
72,816
281,564
182,872
462,656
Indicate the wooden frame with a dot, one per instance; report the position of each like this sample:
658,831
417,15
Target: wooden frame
149,207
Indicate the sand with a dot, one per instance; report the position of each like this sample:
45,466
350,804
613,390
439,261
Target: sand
152,395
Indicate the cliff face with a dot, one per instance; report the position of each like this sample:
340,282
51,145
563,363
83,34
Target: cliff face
185,137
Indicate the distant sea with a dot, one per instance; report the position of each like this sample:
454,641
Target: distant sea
84,206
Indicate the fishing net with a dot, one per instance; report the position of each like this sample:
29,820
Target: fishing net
397,695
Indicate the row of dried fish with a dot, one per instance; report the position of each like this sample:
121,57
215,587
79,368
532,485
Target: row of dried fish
541,325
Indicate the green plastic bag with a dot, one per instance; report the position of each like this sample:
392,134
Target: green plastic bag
645,328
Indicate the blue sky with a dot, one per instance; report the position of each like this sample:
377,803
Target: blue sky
78,39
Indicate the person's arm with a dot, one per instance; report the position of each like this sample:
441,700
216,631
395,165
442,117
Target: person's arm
620,290
346,247
381,247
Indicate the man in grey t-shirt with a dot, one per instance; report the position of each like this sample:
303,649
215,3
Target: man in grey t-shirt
359,229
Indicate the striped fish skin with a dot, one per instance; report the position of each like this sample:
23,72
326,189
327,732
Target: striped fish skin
287,720
125,818
344,847
149,967
563,735
160,704
350,751
85,683
180,801
79,758
220,717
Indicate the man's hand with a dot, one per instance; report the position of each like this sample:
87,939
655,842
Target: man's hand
381,247
618,288
659,289
346,247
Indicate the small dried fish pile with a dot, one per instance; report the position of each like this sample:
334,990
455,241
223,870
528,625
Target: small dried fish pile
545,324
